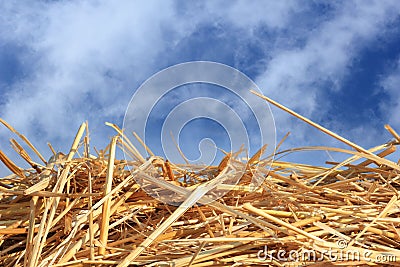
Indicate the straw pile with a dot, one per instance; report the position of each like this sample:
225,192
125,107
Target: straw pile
81,209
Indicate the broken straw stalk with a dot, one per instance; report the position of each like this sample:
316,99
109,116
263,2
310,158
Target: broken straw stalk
87,210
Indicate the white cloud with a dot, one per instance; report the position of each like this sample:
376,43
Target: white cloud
295,76
90,57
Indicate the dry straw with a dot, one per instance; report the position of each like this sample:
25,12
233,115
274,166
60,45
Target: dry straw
81,209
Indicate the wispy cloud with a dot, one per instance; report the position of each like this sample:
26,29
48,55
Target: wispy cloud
299,76
87,58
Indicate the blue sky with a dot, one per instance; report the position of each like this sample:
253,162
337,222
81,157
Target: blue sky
64,62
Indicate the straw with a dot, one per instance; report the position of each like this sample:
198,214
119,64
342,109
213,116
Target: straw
86,210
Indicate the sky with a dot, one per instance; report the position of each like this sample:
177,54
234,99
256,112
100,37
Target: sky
65,62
